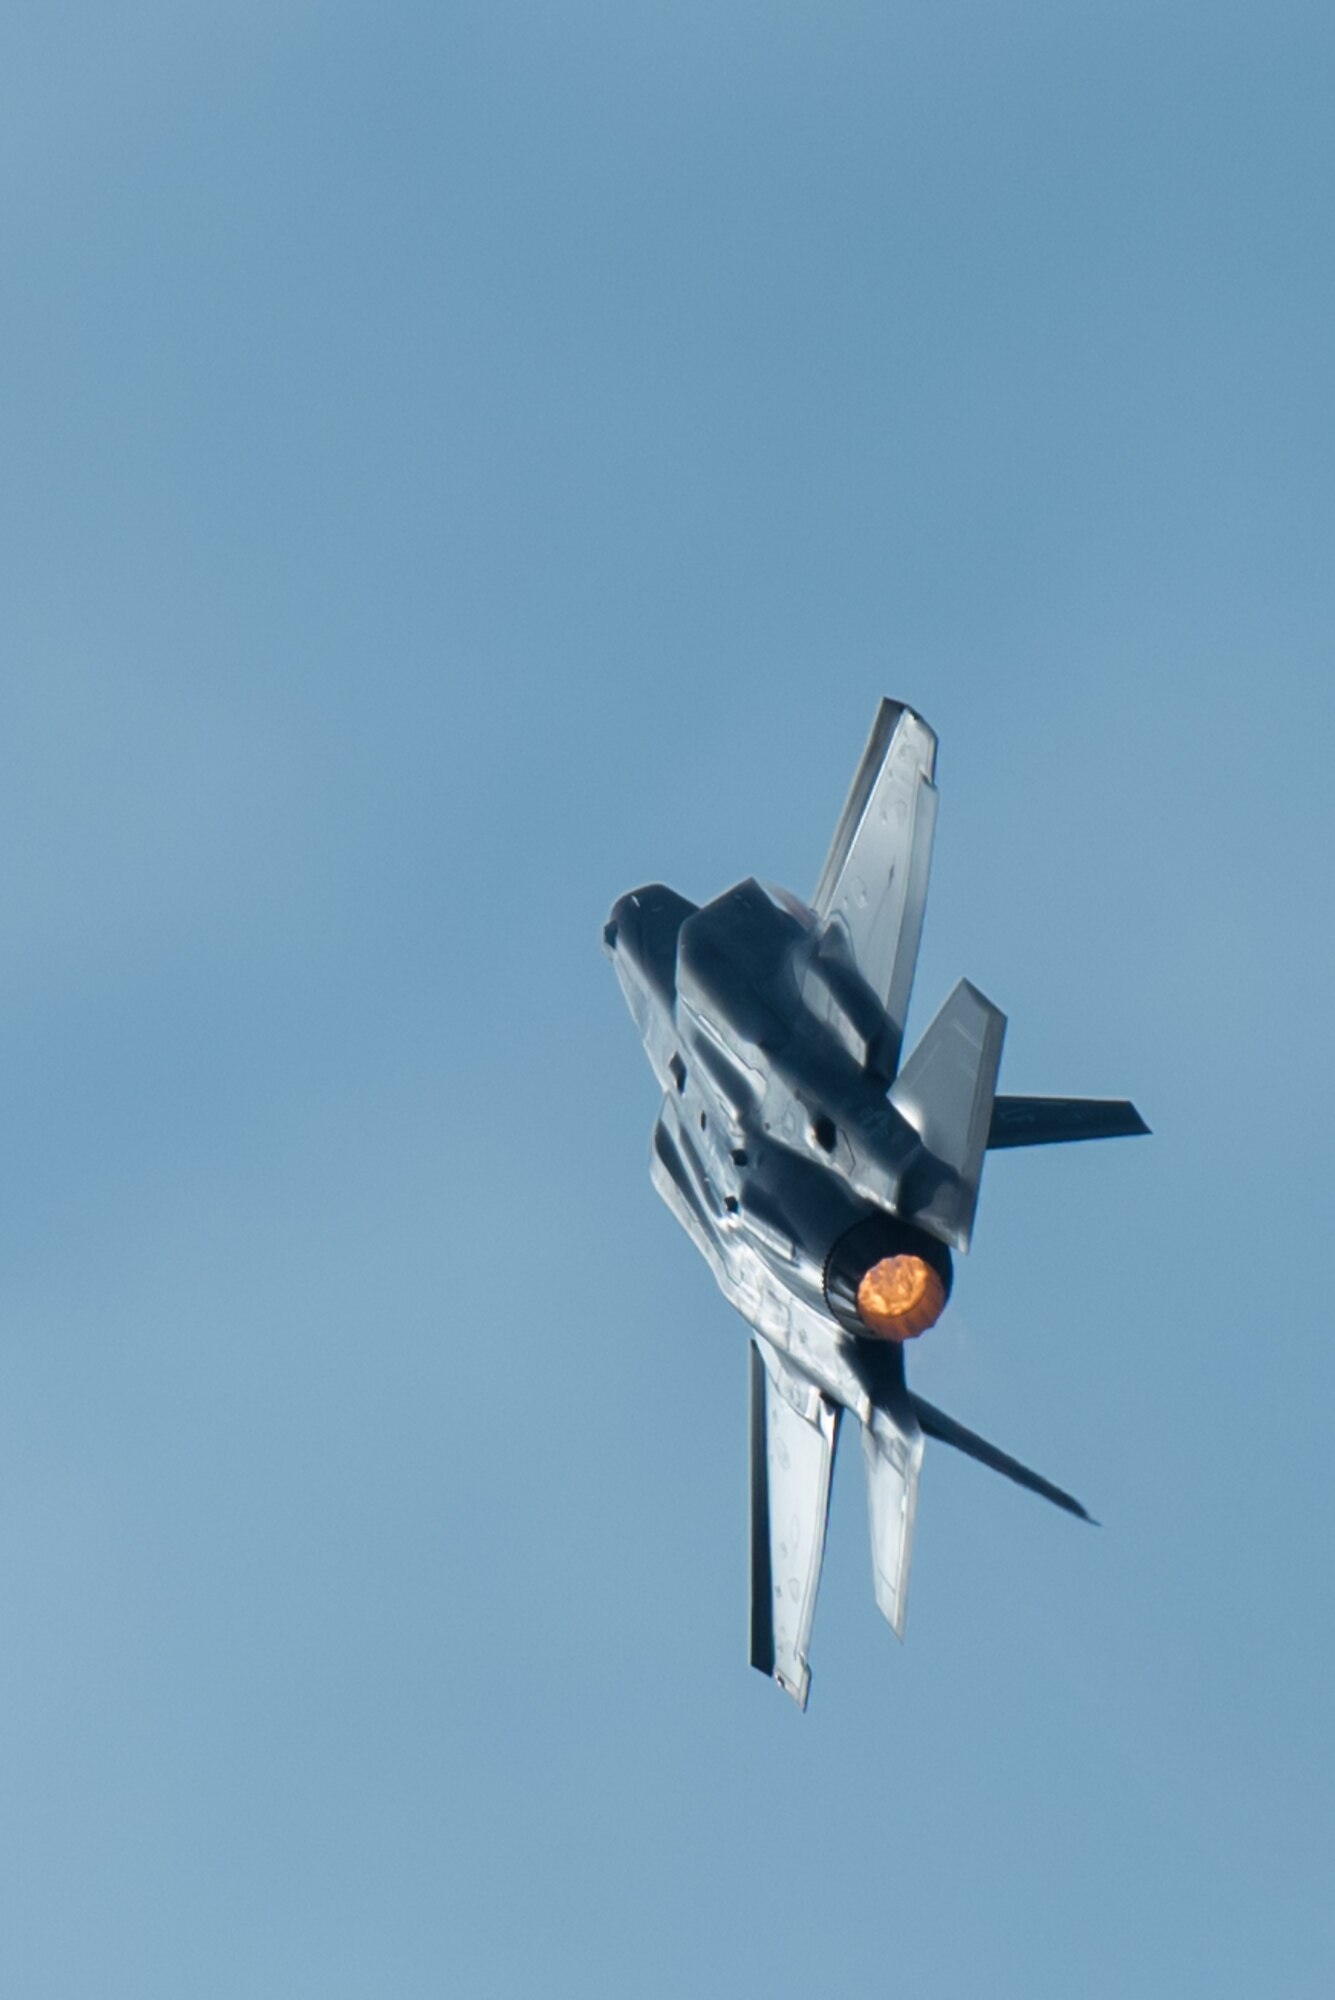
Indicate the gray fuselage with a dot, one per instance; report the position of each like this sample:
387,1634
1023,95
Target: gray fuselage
776,1141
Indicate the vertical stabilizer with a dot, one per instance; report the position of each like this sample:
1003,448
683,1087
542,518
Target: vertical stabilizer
946,1090
892,1447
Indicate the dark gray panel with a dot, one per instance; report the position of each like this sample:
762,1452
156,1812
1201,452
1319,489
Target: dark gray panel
1054,1121
938,1425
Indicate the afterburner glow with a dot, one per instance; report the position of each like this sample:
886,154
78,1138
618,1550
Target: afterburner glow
900,1297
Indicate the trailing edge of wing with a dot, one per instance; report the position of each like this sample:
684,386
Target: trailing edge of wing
938,1425
1053,1121
793,1434
873,887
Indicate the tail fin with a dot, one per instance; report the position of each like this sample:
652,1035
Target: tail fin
946,1090
892,1452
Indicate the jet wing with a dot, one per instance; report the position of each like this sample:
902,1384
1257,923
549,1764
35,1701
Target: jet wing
873,888
793,1434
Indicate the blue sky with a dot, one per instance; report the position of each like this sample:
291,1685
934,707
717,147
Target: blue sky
459,462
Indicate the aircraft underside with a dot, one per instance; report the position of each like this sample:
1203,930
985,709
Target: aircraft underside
826,1183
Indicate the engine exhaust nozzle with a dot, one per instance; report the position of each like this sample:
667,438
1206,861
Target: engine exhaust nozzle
887,1280
900,1297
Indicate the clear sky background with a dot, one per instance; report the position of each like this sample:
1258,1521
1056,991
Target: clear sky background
460,461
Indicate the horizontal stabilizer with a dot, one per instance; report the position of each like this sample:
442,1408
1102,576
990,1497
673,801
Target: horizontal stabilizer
793,1434
938,1425
945,1091
1054,1121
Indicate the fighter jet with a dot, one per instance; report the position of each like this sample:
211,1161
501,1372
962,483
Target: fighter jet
825,1183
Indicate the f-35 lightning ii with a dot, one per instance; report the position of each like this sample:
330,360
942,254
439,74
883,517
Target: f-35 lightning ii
825,1184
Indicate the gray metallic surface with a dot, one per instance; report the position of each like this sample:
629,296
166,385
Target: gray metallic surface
873,888
945,1090
795,1152
793,1432
892,1446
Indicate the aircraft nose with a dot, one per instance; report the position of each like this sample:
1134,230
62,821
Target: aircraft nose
641,936
623,925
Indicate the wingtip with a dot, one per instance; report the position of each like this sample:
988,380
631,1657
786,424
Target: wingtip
798,1691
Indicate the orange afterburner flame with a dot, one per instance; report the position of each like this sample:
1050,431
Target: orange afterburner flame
900,1297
